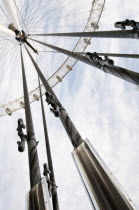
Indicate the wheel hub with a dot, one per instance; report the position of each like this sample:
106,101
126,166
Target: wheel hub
21,37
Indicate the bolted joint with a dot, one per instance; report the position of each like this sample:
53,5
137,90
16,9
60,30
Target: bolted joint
94,56
8,111
50,99
107,61
123,24
22,38
14,29
55,112
46,173
36,97
23,137
21,145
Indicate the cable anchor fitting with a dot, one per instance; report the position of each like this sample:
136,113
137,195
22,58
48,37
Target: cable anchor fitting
131,23
46,173
50,99
23,137
95,57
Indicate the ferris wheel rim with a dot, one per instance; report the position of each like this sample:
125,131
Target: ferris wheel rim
15,105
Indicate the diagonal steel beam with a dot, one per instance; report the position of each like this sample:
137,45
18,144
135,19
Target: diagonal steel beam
120,55
127,34
125,74
70,128
34,168
98,182
49,156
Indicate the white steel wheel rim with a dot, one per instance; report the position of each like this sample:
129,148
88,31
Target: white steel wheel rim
66,67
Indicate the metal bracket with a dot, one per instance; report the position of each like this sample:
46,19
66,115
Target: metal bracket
23,137
94,56
46,173
131,23
23,39
50,99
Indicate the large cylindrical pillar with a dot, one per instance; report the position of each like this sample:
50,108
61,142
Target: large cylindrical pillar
103,189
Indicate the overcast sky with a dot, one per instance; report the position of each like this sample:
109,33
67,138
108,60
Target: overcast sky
105,110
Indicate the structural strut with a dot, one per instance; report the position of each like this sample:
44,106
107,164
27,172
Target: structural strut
34,168
127,34
97,182
70,128
125,74
49,157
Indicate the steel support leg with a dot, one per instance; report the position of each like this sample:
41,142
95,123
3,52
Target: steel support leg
126,34
136,56
70,128
125,74
98,183
34,168
49,157
103,189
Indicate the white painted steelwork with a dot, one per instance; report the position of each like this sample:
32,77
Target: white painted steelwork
12,12
5,30
95,15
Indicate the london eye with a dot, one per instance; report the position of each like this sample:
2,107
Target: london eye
73,55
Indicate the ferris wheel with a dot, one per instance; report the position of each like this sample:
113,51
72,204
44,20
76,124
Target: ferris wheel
36,46
43,17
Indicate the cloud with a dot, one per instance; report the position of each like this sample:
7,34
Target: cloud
103,108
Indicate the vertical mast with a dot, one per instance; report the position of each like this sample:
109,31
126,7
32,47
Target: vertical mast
34,168
49,156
